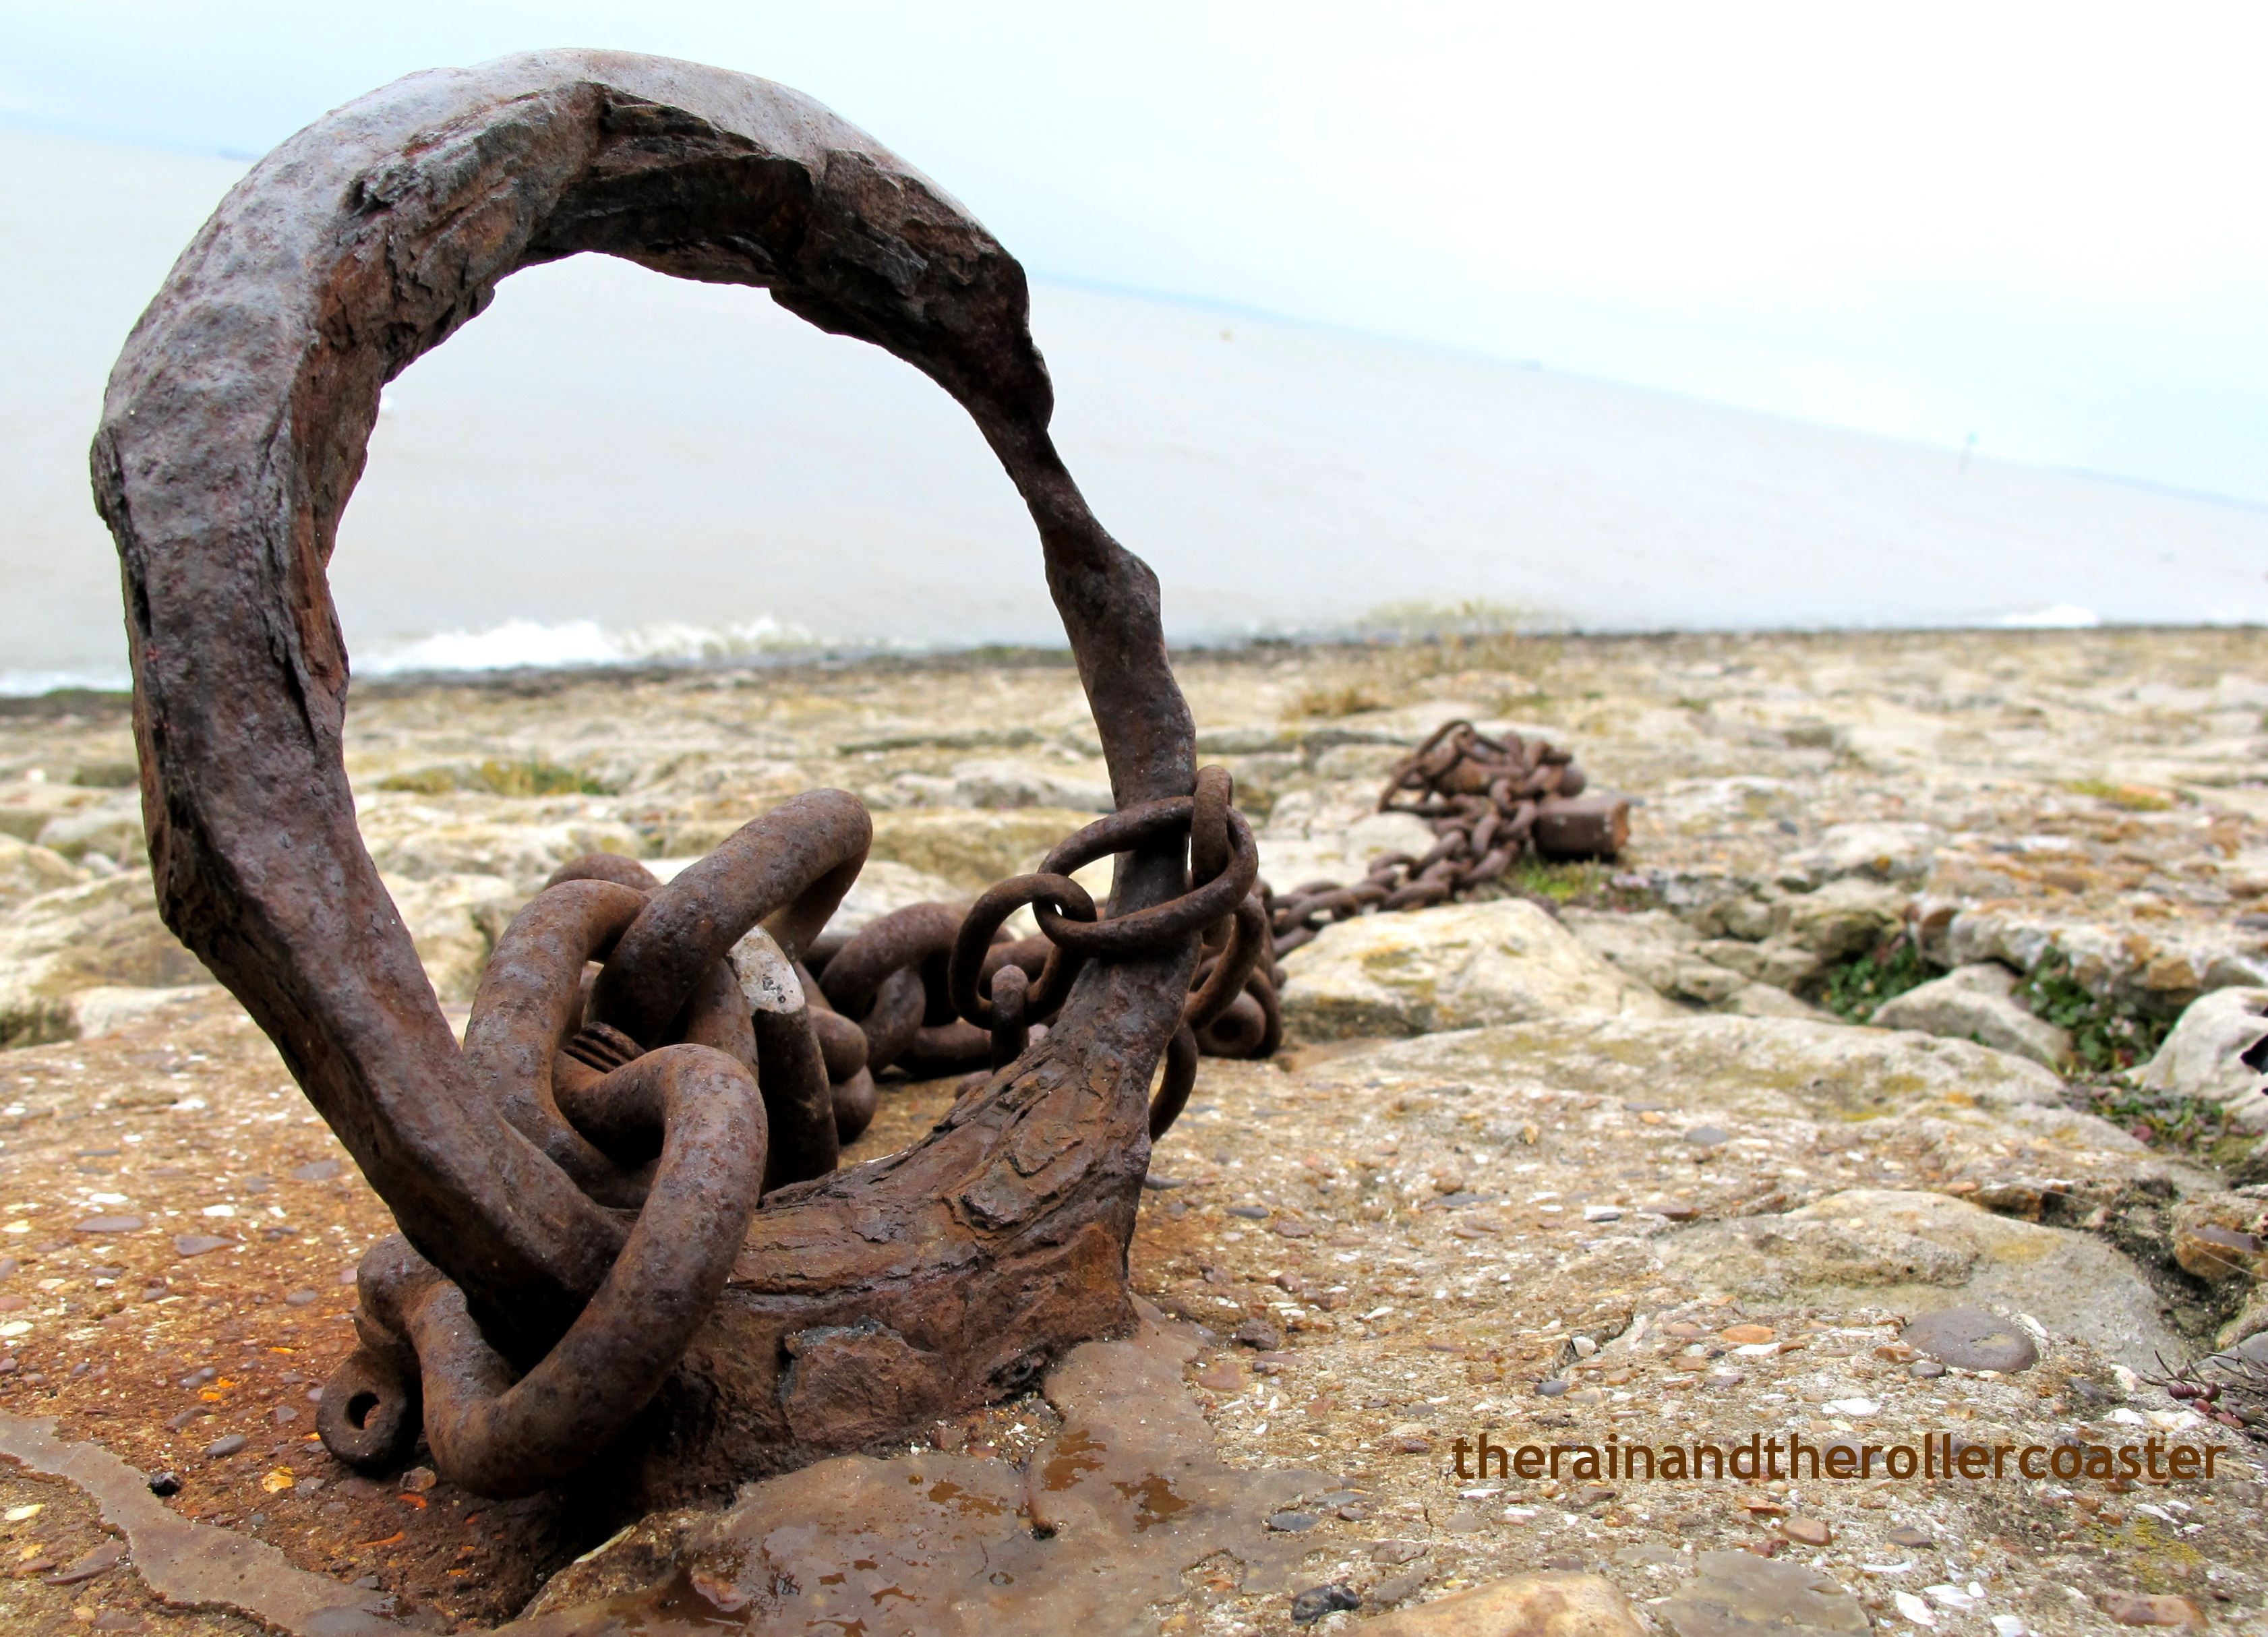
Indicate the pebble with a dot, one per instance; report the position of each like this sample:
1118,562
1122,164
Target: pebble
418,1479
199,1244
301,1298
109,1225
1708,1136
1907,1535
1972,1338
321,1171
1312,1605
1293,1522
1807,1531
1746,1335
1553,1389
2135,1607
1397,1552
101,1560
165,1484
219,1449
1258,1334
1249,1213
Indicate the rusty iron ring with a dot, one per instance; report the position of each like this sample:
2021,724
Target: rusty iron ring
235,426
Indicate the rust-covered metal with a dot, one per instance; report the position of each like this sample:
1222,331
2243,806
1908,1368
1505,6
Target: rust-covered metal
1489,800
591,1279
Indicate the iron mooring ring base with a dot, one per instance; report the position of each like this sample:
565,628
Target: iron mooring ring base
860,1304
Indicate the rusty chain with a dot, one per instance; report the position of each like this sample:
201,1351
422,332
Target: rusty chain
679,1060
1489,800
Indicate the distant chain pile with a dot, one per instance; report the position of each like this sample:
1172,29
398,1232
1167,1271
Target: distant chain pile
1489,801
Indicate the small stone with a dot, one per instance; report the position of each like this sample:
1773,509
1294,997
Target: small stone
109,1225
1397,1552
1249,1213
1312,1605
301,1298
1293,1522
1746,1335
220,1449
1806,1532
1292,1227
1972,1338
1258,1334
418,1479
1906,1535
101,1560
1221,1375
1553,1389
163,1484
1464,1520
321,1171
199,1244
1650,1554
1708,1136
2135,1607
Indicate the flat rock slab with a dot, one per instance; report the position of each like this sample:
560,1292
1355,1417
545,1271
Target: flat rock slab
1769,1066
1102,1521
1738,1593
1526,1605
1453,967
1914,1251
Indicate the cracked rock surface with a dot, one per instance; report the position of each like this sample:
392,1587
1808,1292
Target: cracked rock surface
1597,1157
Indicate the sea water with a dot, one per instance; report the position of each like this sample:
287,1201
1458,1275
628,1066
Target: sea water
610,465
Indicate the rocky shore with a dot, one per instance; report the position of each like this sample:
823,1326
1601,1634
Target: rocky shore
1902,1078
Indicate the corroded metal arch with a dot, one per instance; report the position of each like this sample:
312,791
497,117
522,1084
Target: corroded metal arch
233,431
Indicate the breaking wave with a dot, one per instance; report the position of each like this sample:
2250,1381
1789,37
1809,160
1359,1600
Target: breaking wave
522,644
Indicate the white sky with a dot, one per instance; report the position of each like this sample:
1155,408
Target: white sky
2040,224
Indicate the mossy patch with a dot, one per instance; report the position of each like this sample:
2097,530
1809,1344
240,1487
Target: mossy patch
532,778
2131,798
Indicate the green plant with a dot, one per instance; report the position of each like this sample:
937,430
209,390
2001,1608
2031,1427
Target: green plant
531,777
2103,1037
1562,882
1855,988
536,778
2131,798
1327,701
2193,1124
